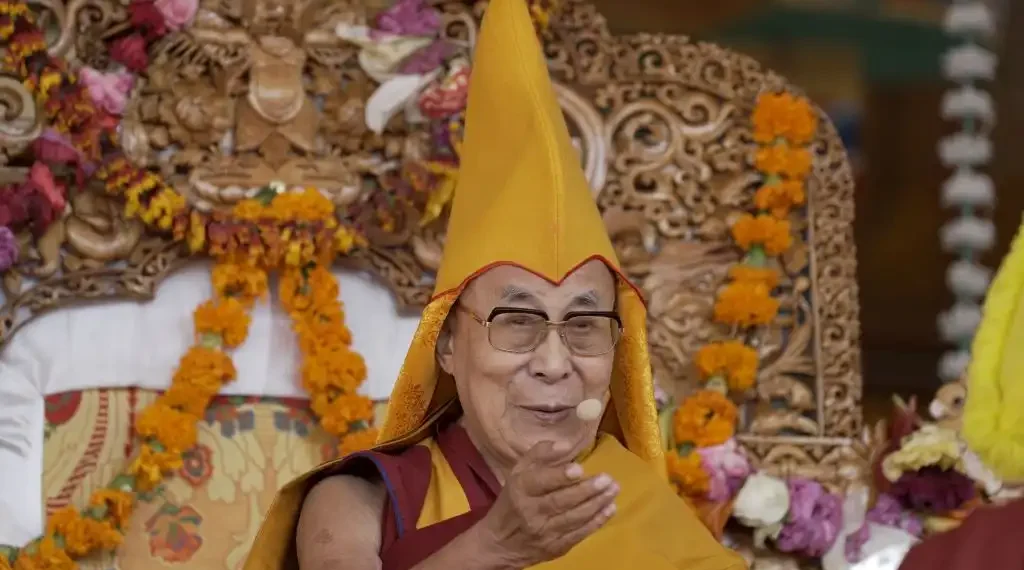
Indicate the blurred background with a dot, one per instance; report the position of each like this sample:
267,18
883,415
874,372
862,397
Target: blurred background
874,66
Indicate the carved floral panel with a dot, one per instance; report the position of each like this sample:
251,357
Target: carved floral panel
256,92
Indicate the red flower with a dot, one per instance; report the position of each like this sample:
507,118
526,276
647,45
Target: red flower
13,206
448,97
147,18
131,52
197,466
933,490
175,533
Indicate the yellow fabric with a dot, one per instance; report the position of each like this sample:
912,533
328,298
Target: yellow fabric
993,422
653,529
445,497
521,196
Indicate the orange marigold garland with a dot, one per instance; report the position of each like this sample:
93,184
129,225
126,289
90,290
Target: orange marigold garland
167,428
783,126
331,370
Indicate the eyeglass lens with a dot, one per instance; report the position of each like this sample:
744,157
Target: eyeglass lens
585,335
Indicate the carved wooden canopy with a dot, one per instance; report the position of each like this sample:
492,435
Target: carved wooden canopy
662,124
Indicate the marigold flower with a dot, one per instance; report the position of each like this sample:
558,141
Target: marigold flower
150,465
226,318
341,370
704,419
174,429
768,232
783,160
687,475
82,535
750,274
745,304
339,413
118,504
732,360
196,236
47,555
204,369
357,441
783,115
244,282
780,197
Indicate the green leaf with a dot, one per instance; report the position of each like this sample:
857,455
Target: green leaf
9,552
265,195
358,426
212,341
123,482
756,257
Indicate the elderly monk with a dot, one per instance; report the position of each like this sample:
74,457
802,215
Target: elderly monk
483,461
992,537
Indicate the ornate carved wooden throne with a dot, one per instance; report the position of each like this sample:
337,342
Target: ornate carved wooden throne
662,124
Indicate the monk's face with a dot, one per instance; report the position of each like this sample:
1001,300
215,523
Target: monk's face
514,399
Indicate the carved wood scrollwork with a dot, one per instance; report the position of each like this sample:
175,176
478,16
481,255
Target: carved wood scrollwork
662,125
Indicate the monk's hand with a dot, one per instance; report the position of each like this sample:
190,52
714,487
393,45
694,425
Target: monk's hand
546,507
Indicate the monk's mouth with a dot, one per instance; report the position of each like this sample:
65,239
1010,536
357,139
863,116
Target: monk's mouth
548,414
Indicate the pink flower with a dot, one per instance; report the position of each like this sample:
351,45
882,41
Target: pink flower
177,13
409,18
109,91
41,178
728,467
8,249
814,519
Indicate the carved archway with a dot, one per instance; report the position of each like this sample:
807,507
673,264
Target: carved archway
662,127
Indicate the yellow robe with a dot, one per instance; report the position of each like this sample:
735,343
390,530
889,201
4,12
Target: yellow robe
653,529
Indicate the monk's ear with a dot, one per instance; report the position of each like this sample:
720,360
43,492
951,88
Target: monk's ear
445,346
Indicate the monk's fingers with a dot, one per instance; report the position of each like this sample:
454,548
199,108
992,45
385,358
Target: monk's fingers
568,498
599,508
581,525
545,454
541,481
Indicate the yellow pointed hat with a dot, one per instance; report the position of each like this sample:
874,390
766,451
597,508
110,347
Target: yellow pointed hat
522,199
993,421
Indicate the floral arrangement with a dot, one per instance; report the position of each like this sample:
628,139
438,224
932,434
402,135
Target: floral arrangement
292,232
928,471
84,107
925,479
331,371
705,463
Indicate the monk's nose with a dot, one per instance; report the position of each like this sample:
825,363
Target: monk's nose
551,360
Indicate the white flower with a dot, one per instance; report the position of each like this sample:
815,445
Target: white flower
277,186
763,501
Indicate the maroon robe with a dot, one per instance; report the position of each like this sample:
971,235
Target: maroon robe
406,476
991,538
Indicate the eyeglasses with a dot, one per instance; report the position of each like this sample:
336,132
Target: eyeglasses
585,333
